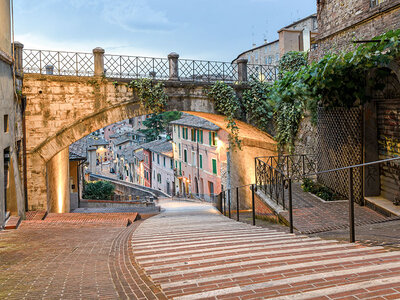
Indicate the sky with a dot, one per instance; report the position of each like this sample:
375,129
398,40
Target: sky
195,29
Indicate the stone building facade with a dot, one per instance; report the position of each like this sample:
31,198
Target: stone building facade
11,125
341,22
200,153
294,37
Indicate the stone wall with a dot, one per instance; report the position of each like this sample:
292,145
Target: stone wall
340,22
61,110
306,140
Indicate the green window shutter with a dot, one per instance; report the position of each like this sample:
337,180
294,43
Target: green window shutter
179,132
187,134
201,136
183,132
185,155
198,135
209,137
201,161
180,166
214,166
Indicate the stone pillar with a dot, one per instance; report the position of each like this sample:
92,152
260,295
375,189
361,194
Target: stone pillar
18,47
49,70
98,61
58,189
242,69
173,66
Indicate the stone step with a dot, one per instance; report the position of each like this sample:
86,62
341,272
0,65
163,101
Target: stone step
245,262
12,222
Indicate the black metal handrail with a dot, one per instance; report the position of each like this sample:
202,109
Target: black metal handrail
225,197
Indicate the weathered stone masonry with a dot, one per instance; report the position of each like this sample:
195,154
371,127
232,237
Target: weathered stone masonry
61,110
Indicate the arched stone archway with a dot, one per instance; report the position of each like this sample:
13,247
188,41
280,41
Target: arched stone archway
61,110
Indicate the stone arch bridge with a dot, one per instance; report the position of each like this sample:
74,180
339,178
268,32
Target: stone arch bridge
70,95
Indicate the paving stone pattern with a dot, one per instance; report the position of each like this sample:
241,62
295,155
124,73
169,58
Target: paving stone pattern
204,255
311,215
60,259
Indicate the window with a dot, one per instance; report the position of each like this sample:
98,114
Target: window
164,161
185,155
376,2
5,123
200,136
180,151
172,163
212,136
154,157
179,131
193,133
185,133
159,178
194,158
154,174
201,161
176,164
214,166
158,158
270,59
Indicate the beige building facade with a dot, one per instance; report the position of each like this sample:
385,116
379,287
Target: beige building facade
294,37
11,131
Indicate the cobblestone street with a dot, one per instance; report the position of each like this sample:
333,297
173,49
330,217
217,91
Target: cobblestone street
75,256
189,251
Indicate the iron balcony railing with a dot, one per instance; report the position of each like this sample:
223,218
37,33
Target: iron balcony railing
134,67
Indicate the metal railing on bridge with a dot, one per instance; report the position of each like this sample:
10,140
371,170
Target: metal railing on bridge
133,67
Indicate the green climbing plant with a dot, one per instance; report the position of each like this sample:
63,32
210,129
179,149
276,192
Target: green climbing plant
227,103
151,94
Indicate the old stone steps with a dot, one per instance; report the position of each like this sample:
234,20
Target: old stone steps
198,255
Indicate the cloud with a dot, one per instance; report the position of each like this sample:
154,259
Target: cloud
132,16
136,16
111,46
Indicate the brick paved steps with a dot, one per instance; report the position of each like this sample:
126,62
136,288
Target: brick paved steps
245,262
12,222
78,219
35,215
210,251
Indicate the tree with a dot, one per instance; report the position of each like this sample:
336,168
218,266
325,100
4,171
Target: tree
158,123
98,190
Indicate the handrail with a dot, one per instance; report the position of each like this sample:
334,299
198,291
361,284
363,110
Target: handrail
355,166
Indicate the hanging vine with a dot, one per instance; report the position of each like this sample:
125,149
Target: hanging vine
152,95
227,103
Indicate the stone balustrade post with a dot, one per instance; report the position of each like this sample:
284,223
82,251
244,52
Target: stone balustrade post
173,66
18,47
98,61
242,69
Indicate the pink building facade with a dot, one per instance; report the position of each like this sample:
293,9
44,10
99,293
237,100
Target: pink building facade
200,153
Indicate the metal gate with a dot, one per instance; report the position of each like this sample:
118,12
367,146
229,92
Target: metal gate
340,144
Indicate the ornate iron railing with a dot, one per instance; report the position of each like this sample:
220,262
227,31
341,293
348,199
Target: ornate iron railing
119,66
132,67
207,71
61,63
267,73
272,173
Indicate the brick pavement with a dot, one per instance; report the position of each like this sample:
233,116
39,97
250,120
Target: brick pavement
199,254
311,215
61,259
